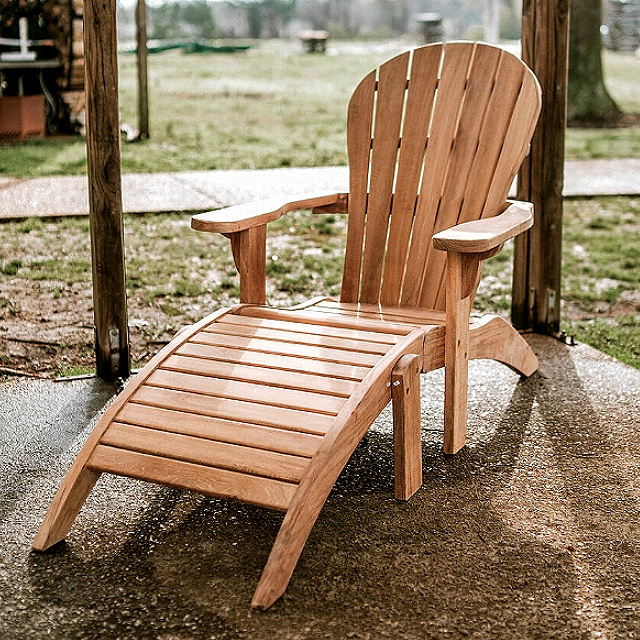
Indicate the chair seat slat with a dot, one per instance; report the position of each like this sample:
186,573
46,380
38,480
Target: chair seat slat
261,375
406,317
221,430
292,419
259,394
300,338
263,492
284,348
317,314
294,322
274,361
221,455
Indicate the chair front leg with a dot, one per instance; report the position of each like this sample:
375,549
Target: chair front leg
462,276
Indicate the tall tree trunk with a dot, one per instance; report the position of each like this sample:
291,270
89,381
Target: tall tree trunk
588,102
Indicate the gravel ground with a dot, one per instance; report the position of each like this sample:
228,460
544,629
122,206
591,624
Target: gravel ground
531,531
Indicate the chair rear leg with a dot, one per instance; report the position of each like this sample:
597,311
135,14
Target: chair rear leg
493,337
407,442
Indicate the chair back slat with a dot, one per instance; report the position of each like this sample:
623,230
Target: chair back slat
449,100
465,157
360,120
415,133
484,126
392,84
444,131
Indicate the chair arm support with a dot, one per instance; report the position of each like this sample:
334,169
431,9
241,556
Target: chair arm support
341,205
467,246
245,225
254,214
482,236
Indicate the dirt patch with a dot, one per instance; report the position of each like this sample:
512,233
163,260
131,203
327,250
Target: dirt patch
46,328
176,276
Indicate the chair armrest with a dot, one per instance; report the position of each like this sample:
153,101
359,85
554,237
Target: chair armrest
482,236
254,214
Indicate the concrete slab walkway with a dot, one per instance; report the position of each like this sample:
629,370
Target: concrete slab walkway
165,192
531,531
204,190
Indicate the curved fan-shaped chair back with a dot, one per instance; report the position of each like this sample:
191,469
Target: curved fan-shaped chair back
435,138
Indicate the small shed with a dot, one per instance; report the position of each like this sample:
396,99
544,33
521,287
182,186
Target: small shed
41,67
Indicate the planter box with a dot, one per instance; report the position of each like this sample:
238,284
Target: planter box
21,117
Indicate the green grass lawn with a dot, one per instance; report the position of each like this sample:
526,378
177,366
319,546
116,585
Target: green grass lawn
274,107
269,107
600,276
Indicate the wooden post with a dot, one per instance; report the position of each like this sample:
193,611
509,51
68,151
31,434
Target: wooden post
105,189
143,84
537,261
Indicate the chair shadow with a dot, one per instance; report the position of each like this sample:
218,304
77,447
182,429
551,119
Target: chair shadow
594,438
446,559
139,589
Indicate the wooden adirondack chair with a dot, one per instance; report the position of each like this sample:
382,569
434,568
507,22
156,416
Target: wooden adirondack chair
267,405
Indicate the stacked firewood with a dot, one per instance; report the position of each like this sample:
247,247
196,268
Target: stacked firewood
57,25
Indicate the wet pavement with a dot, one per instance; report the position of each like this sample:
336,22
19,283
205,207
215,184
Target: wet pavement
165,192
531,531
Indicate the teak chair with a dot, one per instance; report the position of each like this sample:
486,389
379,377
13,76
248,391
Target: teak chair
266,406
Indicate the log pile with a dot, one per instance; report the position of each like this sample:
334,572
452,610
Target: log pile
56,26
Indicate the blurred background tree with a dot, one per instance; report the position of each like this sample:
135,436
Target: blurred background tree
268,18
199,15
181,19
588,101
